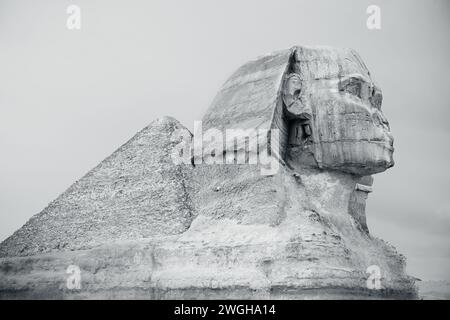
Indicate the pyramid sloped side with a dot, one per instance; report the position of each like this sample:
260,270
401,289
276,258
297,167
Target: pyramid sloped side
137,192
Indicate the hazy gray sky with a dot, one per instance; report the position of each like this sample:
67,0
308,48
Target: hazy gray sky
69,98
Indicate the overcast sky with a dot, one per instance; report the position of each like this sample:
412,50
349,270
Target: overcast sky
69,98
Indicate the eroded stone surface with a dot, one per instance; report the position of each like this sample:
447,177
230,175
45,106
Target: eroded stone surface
141,227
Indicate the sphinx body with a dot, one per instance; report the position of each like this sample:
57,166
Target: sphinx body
227,231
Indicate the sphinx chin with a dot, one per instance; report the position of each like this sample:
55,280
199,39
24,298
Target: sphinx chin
360,158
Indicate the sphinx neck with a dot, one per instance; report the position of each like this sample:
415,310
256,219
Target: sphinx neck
337,194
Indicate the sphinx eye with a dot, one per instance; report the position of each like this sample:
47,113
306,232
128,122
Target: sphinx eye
352,86
376,98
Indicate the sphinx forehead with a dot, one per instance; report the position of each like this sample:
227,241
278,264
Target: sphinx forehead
327,62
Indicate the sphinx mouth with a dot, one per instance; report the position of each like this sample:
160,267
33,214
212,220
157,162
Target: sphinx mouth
383,142
390,147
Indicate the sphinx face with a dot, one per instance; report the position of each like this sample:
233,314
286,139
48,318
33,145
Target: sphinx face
334,114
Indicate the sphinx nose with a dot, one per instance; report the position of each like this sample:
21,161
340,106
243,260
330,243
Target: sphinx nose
391,138
384,120
379,118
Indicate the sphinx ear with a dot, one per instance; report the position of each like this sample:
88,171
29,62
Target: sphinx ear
291,93
292,87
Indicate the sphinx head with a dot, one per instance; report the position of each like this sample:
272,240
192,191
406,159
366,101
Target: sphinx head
322,100
333,113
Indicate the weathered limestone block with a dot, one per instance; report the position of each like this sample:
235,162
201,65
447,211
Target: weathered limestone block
226,230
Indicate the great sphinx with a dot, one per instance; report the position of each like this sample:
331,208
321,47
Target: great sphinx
202,229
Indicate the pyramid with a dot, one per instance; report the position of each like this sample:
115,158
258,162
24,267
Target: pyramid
137,192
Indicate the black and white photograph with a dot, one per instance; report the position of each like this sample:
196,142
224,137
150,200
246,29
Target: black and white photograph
245,152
